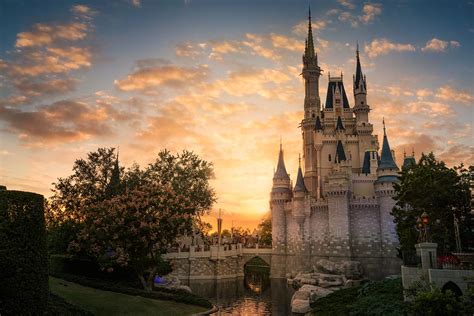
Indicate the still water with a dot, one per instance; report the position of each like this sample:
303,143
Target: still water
253,295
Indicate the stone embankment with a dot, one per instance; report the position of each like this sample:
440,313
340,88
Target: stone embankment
326,277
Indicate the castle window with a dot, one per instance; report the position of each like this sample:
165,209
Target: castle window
329,157
313,115
361,102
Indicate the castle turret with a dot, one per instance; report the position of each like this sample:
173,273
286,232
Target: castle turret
312,108
408,161
361,108
280,195
299,194
387,175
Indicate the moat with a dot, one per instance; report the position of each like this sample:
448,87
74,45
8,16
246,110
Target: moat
241,297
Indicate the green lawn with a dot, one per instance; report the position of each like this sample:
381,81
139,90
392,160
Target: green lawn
111,303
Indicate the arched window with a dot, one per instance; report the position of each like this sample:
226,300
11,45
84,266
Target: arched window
329,157
451,286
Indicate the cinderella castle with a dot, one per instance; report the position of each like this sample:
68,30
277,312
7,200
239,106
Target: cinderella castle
339,206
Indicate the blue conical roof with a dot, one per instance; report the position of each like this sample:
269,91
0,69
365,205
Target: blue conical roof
386,159
280,172
299,186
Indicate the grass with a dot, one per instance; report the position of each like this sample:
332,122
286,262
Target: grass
110,303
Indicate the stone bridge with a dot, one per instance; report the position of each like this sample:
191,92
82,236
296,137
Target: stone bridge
218,262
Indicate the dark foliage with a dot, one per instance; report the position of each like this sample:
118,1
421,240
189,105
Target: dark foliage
444,194
23,255
119,287
374,298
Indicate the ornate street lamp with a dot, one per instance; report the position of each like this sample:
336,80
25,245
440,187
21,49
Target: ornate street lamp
425,221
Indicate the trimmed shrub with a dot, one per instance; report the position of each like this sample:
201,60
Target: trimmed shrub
23,255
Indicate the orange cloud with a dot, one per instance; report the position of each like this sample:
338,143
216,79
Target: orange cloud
437,45
383,46
448,93
151,78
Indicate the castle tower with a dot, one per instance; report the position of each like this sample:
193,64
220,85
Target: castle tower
300,232
280,195
387,175
312,107
361,110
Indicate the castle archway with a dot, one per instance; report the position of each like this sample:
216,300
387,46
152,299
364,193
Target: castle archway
451,286
257,275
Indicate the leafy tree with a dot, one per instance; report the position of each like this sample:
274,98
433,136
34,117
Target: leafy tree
265,231
87,186
129,218
440,191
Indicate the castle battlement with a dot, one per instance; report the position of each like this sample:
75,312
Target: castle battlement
340,206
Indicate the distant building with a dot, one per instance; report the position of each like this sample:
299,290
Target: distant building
339,207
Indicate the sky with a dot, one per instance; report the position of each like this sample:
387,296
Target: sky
222,78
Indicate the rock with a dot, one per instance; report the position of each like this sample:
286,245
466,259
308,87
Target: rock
314,292
300,306
352,283
348,268
325,284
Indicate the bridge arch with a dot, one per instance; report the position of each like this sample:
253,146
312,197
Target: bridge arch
453,287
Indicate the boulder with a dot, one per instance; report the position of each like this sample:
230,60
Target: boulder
325,283
351,269
314,292
300,306
352,283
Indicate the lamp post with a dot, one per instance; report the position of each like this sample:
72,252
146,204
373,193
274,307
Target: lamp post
425,221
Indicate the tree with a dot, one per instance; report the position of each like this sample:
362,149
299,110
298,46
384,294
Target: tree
131,217
265,231
88,185
440,191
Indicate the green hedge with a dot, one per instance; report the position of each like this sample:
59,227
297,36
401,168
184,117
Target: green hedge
116,286
23,255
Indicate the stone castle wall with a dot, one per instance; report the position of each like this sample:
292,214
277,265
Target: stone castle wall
348,229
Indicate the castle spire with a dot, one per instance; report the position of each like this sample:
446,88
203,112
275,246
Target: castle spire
386,159
309,51
280,172
359,76
300,186
339,125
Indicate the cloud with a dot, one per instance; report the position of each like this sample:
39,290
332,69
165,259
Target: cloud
46,34
448,93
301,29
149,79
370,11
347,4
45,56
62,121
136,3
438,46
83,10
383,46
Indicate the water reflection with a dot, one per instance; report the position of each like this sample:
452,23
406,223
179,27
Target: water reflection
253,295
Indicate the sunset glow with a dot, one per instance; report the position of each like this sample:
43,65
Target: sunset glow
222,79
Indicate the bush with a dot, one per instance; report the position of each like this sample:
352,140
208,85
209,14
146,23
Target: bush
436,303
23,256
60,236
117,286
374,298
